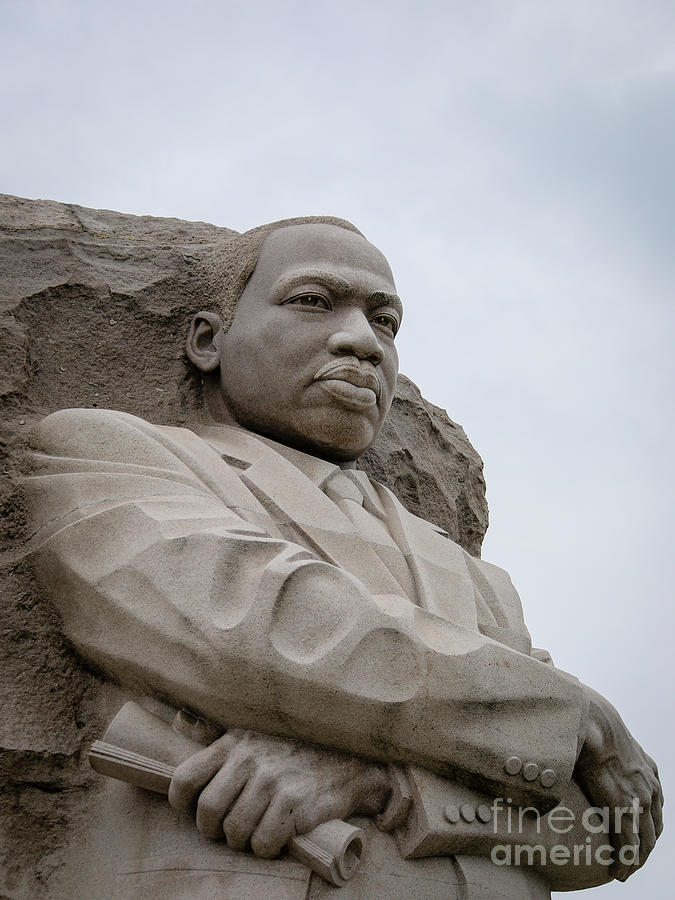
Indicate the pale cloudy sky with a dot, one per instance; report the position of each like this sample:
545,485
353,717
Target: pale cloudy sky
514,161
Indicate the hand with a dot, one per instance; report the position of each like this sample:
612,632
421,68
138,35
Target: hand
260,791
615,772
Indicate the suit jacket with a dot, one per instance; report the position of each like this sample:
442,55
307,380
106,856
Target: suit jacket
214,571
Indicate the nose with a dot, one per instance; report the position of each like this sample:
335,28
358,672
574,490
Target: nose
355,337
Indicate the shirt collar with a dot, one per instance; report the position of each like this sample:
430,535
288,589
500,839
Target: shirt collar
313,467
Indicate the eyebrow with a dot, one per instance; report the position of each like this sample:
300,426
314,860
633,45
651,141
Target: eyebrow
338,285
384,298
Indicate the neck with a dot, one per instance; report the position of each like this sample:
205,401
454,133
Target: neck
217,412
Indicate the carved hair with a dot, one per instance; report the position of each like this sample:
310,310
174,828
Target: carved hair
229,269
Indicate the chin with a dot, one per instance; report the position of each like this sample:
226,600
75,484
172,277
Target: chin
340,439
338,436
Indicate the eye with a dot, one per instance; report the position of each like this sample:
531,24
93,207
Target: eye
314,301
386,321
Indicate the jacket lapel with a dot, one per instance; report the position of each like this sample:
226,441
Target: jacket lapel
287,487
442,581
288,484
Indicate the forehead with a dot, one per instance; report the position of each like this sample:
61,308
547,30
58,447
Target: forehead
325,247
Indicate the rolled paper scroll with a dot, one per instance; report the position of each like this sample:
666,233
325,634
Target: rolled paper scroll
144,750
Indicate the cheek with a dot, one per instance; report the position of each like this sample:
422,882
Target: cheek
284,342
251,358
390,370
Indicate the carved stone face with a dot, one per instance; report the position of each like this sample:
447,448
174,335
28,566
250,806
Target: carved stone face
309,359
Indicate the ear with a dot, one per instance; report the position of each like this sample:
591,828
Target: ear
202,344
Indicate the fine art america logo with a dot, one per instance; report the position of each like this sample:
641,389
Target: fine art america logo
598,823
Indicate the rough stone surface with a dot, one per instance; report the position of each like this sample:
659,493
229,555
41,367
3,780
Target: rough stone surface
93,307
428,462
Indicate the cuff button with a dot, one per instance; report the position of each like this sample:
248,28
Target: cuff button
484,813
451,813
530,771
513,765
548,778
467,812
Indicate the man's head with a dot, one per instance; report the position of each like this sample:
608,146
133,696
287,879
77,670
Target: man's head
309,357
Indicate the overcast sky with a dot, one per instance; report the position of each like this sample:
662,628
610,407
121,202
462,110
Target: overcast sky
514,161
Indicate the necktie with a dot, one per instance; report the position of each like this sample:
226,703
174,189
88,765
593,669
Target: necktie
353,494
343,491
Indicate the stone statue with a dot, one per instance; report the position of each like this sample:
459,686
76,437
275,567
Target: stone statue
343,657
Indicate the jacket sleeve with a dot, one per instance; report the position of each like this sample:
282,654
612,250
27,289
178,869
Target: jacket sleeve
167,584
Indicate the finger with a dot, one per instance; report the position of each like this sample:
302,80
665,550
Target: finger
647,836
245,813
278,825
655,769
627,851
628,847
623,837
191,776
218,796
657,812
652,764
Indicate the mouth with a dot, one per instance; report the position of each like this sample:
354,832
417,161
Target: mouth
354,384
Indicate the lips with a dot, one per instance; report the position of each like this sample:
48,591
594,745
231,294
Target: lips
353,383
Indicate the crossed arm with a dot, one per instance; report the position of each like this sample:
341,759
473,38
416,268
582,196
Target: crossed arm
259,791
168,589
